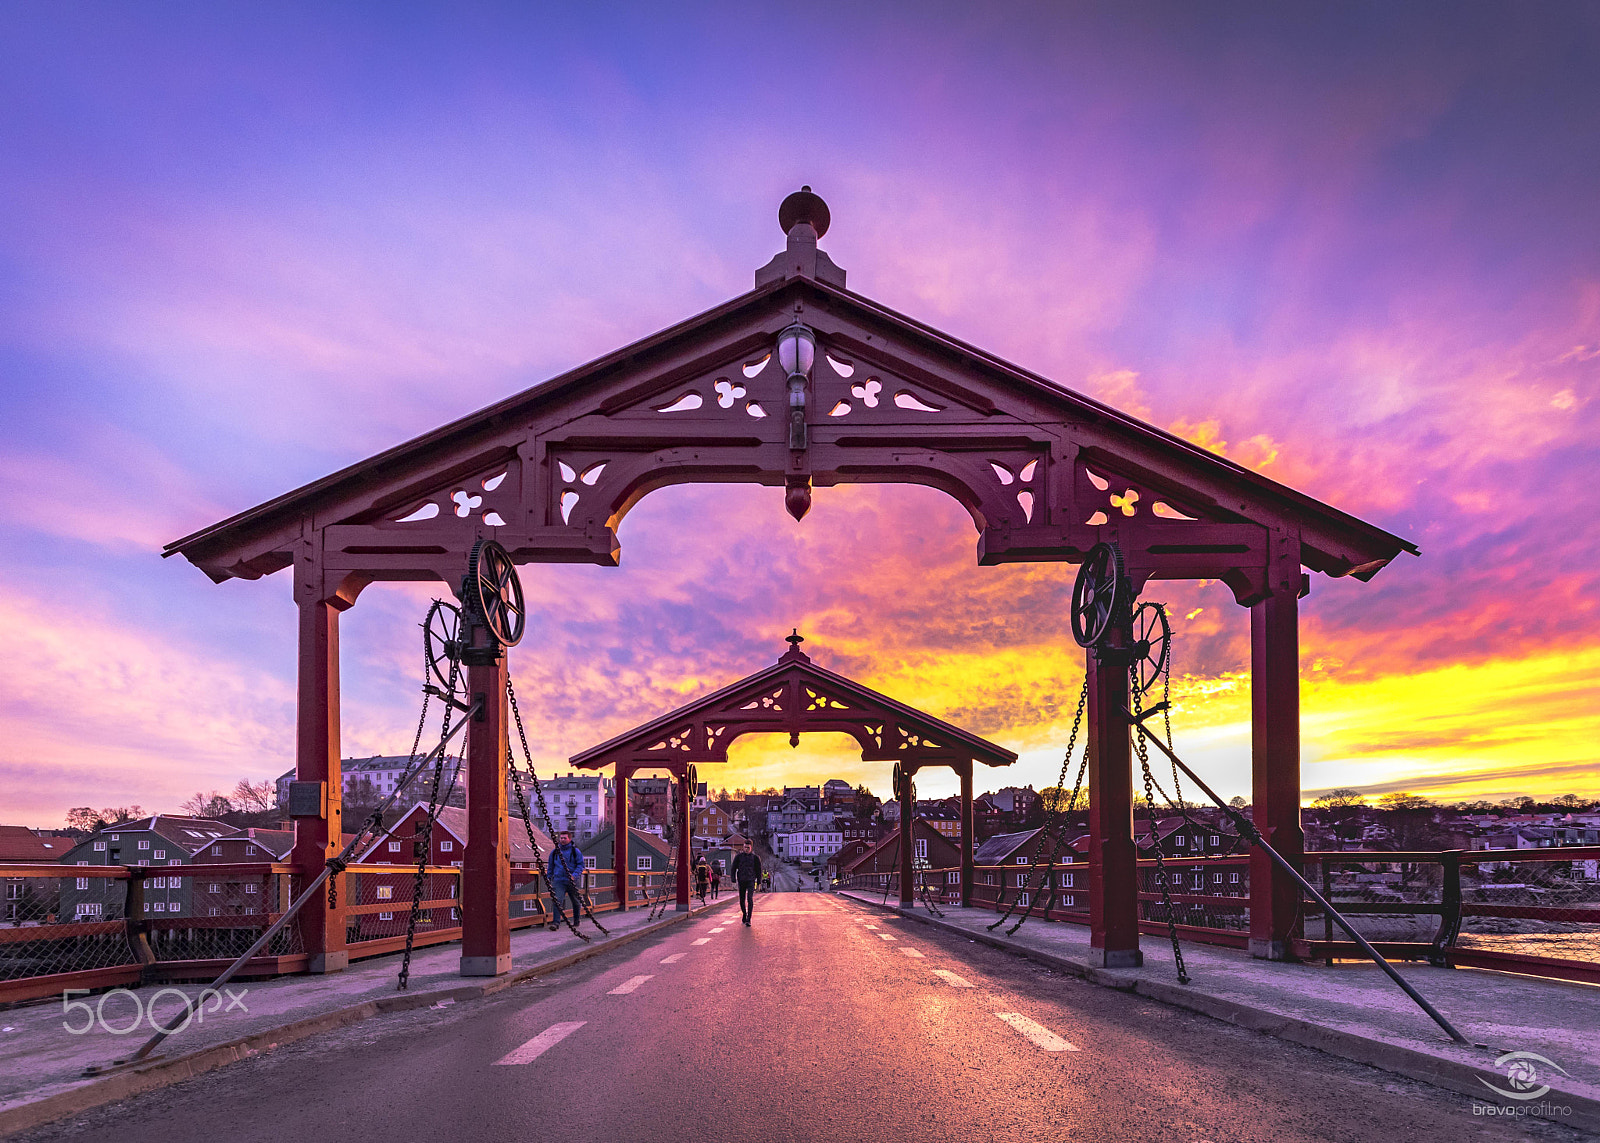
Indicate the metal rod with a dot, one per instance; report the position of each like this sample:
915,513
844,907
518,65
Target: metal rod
1247,827
328,870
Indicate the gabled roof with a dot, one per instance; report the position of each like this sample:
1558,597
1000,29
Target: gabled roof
453,820
276,842
19,843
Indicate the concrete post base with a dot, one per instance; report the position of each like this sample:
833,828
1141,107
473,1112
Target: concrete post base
486,965
1271,950
1116,958
683,908
328,962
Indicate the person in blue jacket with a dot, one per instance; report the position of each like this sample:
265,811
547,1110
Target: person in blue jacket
566,873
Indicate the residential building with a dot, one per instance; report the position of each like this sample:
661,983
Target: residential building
578,803
159,841
809,845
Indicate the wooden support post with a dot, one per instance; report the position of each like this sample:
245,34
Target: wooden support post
969,842
619,839
1113,860
908,842
316,838
486,866
1275,768
685,799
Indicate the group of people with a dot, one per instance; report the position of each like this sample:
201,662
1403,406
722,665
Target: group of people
565,869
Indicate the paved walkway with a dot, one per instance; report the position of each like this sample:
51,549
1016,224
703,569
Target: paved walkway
40,1058
1504,1012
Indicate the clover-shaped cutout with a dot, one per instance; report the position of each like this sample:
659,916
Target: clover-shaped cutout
868,392
465,502
1126,501
728,392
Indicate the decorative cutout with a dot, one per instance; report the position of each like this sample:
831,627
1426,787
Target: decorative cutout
815,700
842,368
678,740
1028,470
566,471
465,503
427,512
1168,512
755,410
683,404
754,367
909,741
1002,472
728,392
714,735
569,500
1025,498
839,410
494,520
906,399
592,473
773,701
1099,482
874,731
868,392
1096,520
1128,502
494,482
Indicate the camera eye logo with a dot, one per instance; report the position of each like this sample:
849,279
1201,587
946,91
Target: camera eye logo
1522,1073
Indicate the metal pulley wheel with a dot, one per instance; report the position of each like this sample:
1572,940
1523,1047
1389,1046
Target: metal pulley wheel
493,592
443,646
1099,595
1152,645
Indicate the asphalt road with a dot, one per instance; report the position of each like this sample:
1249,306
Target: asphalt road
823,1021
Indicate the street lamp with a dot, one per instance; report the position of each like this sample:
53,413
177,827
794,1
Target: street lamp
797,351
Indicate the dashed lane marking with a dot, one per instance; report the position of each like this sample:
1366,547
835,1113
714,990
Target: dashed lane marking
887,937
674,958
949,977
702,940
541,1043
910,951
714,932
1040,1035
628,985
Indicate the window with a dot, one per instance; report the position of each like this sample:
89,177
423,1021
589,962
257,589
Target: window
1199,880
922,849
1064,880
143,861
156,907
192,833
952,878
99,847
88,909
644,864
446,846
159,883
1022,879
249,851
161,855
118,836
1022,859
394,847
252,887
83,883
144,844
385,892
591,862
1215,841
214,912
1233,879
1180,841
529,906
1022,899
385,916
214,887
83,863
1216,879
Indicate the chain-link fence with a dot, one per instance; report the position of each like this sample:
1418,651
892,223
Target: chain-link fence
1531,910
377,906
63,920
1209,893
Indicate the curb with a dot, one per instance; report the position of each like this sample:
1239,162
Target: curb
1449,1074
166,1072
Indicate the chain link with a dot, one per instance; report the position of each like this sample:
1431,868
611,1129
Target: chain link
422,840
1143,750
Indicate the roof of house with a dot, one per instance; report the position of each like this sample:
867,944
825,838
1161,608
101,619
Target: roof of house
277,842
1001,846
454,820
19,843
190,834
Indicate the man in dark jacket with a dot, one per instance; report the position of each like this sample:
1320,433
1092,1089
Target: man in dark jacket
566,871
746,872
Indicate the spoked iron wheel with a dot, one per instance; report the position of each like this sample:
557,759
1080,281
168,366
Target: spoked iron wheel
1097,595
494,592
1152,645
441,642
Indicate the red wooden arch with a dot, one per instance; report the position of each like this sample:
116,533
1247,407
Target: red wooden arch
1044,472
794,696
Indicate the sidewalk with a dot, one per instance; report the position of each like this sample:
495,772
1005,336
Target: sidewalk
42,1064
1352,1010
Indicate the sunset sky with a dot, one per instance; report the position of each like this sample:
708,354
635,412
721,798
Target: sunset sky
1355,247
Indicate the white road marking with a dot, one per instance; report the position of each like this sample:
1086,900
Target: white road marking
910,951
541,1043
714,932
1041,1036
949,977
628,985
887,937
702,940
674,958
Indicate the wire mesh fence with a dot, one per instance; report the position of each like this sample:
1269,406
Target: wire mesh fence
1531,904
59,920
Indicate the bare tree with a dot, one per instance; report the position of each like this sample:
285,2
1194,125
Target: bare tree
254,797
212,805
1339,799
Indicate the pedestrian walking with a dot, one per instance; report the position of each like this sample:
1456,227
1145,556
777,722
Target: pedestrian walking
702,879
746,873
566,869
716,880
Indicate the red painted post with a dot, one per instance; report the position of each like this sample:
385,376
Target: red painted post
908,835
685,798
1275,769
619,840
486,867
968,839
1114,880
317,760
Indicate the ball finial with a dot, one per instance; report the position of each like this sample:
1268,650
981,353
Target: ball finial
804,206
